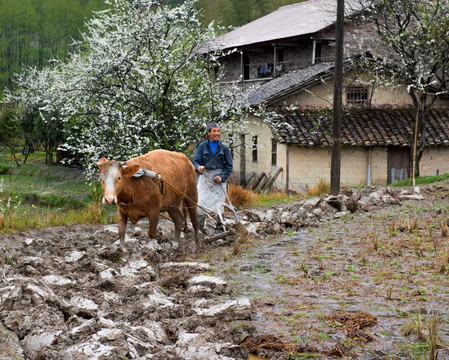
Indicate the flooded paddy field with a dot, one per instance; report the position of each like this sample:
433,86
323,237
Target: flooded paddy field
307,282
388,265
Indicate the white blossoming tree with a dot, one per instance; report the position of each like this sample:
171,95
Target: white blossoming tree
139,82
34,93
413,48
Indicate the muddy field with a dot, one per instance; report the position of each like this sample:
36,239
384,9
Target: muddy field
364,276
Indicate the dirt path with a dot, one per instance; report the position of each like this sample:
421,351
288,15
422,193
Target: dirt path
365,285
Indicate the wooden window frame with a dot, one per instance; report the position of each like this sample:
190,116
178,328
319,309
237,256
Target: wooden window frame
357,96
254,148
274,152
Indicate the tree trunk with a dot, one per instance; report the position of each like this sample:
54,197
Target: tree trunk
420,116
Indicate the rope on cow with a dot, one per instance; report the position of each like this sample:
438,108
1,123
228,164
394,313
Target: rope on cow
207,211
150,194
158,176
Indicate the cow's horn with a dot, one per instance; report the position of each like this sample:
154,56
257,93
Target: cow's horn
122,163
100,162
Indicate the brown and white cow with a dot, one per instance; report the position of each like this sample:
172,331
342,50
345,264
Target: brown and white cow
144,196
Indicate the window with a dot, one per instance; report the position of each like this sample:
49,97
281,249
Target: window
357,95
274,152
280,55
254,148
246,63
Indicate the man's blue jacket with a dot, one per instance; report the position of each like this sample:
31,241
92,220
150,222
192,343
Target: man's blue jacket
221,160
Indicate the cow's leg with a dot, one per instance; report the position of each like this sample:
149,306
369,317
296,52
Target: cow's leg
178,220
193,214
153,217
185,214
122,220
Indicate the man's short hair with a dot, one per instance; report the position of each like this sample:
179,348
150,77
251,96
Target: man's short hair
212,125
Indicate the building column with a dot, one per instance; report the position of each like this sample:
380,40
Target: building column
314,51
242,176
287,168
275,59
368,174
242,68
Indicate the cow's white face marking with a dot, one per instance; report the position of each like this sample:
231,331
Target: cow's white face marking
109,176
109,179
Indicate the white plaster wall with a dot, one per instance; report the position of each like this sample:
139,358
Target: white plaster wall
434,161
308,165
321,95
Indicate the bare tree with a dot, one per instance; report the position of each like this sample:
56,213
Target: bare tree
413,49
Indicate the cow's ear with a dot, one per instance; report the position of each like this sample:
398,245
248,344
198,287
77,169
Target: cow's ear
130,169
100,162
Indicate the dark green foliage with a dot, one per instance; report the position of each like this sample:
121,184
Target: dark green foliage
4,169
34,31
11,133
55,201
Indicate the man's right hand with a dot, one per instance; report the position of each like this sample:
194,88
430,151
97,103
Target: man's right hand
201,169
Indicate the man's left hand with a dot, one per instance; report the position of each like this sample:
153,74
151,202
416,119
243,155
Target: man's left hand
217,179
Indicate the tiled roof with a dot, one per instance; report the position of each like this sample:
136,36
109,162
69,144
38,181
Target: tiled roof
360,127
287,22
296,80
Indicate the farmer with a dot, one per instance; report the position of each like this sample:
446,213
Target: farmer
213,162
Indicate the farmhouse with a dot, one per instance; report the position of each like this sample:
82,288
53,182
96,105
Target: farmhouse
289,55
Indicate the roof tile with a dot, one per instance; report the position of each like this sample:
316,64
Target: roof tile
360,127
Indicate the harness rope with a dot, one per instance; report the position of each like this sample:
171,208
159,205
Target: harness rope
142,198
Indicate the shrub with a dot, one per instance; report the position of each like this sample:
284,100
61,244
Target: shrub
321,188
239,196
4,169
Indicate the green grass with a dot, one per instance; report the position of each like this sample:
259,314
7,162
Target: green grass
37,195
273,198
422,180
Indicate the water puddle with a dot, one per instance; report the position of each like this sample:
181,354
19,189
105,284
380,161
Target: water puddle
259,273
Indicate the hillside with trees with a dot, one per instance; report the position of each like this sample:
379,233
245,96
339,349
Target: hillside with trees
35,31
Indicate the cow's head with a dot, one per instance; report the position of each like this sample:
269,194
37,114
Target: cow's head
114,176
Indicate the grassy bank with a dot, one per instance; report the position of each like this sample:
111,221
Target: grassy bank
38,195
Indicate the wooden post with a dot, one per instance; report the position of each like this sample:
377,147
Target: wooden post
271,180
259,179
337,106
313,51
250,180
275,59
242,68
287,169
261,184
